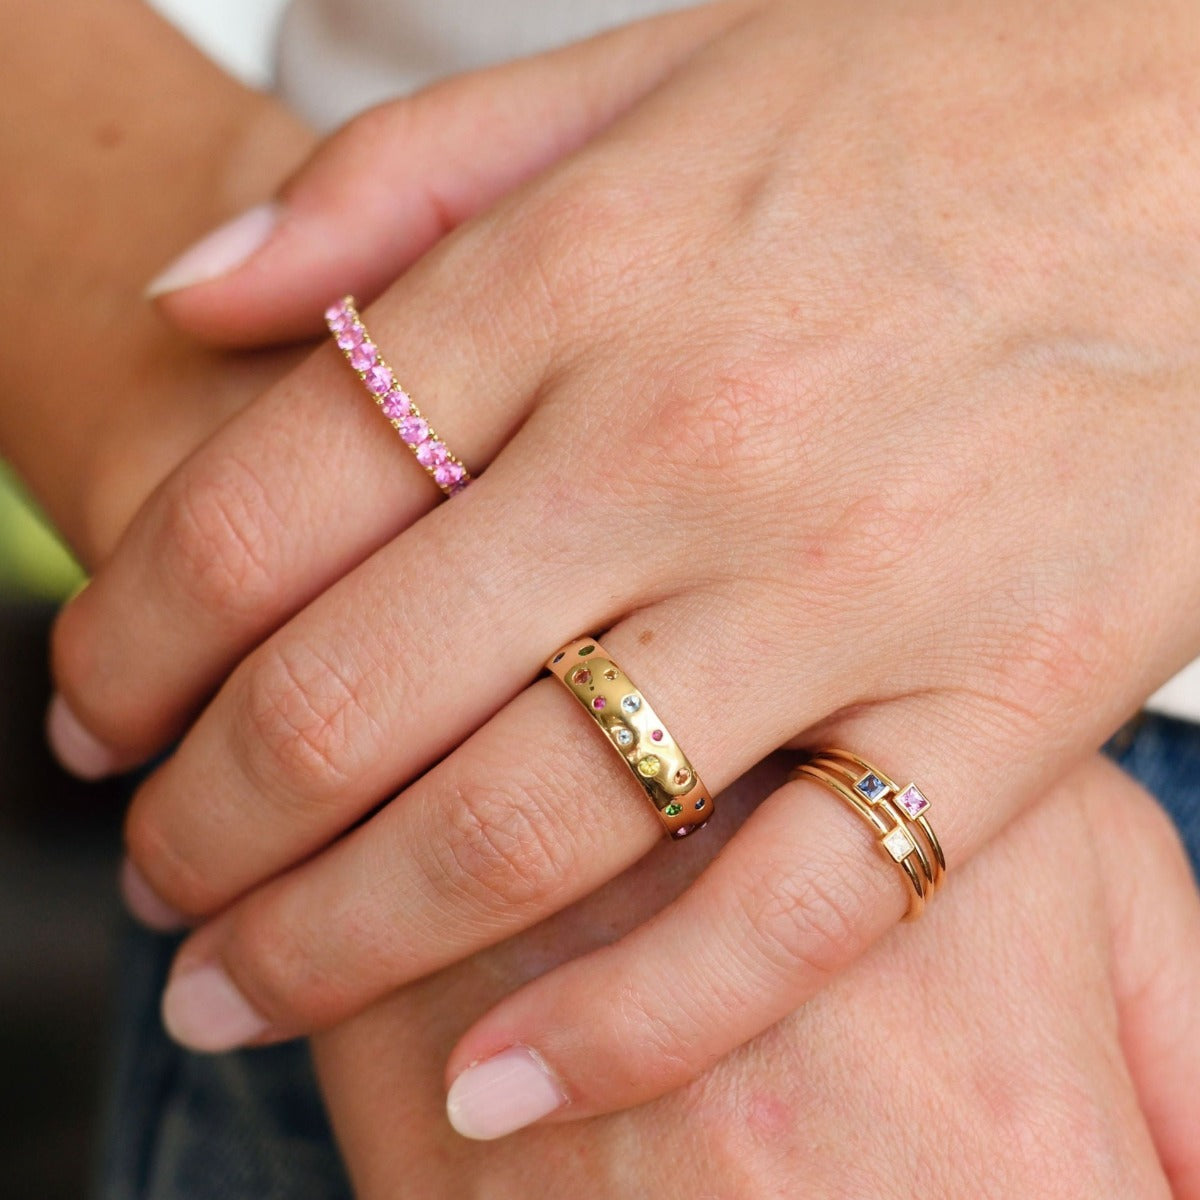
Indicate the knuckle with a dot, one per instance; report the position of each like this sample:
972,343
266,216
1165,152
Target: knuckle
503,848
306,728
275,967
805,917
215,536
1066,650
664,1041
580,236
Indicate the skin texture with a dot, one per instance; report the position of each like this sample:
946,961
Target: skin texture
839,381
984,1051
99,187
367,1127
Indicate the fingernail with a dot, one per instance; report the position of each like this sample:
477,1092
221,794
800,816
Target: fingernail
203,1010
145,904
218,253
502,1094
76,749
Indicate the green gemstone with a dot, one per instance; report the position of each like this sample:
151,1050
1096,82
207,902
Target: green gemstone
586,650
673,810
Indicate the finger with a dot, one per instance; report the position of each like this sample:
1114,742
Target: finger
530,813
378,194
798,895
1155,913
292,494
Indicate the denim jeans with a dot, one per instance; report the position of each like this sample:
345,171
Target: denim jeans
251,1126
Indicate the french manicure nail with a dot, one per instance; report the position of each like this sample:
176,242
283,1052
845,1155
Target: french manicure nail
503,1093
75,748
203,1010
218,253
145,904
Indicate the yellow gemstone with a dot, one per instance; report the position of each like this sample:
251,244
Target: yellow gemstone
649,766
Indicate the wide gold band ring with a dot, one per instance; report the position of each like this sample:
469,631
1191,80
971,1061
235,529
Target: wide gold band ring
631,725
895,813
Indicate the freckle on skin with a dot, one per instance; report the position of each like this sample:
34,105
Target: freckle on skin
645,637
109,135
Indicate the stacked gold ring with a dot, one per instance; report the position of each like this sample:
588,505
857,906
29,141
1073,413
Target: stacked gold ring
895,813
618,707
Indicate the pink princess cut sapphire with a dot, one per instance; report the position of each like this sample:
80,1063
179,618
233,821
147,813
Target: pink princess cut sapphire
912,800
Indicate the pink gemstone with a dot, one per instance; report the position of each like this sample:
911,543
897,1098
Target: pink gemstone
396,405
336,312
379,380
350,336
414,430
599,701
448,474
460,486
432,453
657,735
363,356
912,800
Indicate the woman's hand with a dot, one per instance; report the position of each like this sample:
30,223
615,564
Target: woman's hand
119,139
843,381
1036,1037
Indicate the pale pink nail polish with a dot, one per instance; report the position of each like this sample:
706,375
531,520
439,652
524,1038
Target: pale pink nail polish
75,748
502,1094
203,1010
145,904
218,253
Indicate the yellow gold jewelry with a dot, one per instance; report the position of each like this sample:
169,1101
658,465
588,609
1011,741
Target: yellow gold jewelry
896,813
614,702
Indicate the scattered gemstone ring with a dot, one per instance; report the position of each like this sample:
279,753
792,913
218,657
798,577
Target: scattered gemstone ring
897,814
405,418
632,727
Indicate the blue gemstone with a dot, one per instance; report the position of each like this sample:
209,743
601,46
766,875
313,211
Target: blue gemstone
871,786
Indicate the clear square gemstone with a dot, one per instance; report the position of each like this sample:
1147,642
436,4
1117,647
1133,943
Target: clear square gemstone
898,843
913,800
871,786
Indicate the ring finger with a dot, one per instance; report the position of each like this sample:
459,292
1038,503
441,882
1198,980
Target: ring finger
532,812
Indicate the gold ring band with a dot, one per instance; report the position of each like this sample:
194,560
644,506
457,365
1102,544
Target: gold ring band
895,813
619,708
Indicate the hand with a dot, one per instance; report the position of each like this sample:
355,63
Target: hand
98,399
796,382
987,1050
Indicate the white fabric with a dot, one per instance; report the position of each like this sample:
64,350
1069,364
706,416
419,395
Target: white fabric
335,57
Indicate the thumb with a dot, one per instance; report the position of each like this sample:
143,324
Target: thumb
382,190
1155,918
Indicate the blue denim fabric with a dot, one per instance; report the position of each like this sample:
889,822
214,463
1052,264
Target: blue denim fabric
250,1125
1163,754
243,1126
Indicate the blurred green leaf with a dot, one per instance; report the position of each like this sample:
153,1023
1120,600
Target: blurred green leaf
33,562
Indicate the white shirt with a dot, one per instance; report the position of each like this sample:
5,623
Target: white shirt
332,58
